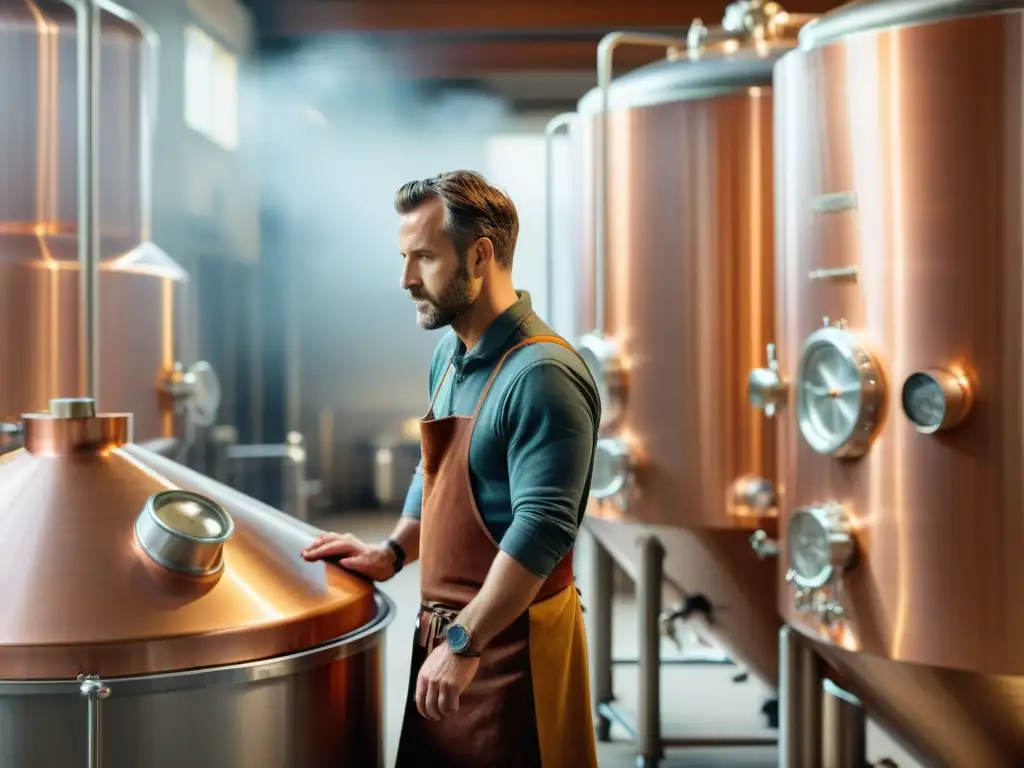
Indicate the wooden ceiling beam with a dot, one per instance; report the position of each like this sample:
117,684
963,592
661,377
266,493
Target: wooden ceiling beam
468,59
300,18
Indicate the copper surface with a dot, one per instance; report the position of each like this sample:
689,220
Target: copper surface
716,563
81,596
141,290
923,124
689,296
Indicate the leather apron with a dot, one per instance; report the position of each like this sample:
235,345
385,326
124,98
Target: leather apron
529,704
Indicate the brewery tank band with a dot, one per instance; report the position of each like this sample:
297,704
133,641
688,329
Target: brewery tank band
678,294
172,615
898,376
142,322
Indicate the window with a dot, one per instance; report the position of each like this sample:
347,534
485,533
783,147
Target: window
211,88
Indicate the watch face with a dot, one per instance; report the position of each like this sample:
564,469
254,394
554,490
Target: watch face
457,638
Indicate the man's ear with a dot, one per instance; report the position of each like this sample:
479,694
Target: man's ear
480,254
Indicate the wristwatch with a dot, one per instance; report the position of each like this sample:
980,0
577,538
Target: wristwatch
398,552
459,641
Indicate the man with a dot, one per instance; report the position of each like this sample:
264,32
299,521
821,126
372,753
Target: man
499,670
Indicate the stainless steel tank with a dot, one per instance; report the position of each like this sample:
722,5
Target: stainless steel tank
898,389
153,617
677,286
141,315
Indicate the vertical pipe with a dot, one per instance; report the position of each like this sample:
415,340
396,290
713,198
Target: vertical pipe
557,123
605,57
844,729
648,589
94,691
597,598
800,701
88,26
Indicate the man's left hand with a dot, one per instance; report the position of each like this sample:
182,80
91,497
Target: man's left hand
442,680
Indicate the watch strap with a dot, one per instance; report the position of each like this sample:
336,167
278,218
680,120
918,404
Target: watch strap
398,552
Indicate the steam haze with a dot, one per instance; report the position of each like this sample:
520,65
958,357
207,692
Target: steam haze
339,130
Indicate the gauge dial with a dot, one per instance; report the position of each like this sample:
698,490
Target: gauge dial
807,547
818,541
602,358
935,400
924,401
838,394
613,465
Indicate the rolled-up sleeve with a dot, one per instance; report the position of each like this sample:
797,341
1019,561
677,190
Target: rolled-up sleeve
414,498
549,422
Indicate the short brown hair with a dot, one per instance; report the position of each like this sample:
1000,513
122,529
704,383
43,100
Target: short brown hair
473,209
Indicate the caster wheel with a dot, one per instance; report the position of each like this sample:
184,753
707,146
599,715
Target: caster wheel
603,730
770,710
647,762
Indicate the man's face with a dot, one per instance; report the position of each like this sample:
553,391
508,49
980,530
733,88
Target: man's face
435,276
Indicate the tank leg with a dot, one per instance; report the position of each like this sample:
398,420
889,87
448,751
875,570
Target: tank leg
648,592
843,729
597,599
800,699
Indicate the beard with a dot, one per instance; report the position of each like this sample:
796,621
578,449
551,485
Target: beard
433,312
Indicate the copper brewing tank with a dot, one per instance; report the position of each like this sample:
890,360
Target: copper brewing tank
143,289
900,332
203,636
683,311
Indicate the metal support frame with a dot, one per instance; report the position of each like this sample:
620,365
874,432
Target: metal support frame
646,729
230,460
800,702
844,729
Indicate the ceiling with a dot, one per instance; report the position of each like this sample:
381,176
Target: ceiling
540,52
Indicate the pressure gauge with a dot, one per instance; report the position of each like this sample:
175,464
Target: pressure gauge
839,394
613,468
604,360
819,542
936,400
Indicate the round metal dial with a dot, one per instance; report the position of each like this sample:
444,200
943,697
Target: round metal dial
818,540
839,393
605,363
924,401
613,466
936,400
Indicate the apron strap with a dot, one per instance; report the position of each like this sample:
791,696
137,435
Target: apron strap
437,391
497,369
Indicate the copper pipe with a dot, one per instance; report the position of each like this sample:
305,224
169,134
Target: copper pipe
555,124
605,55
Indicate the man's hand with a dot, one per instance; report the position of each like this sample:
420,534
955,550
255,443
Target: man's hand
375,562
443,678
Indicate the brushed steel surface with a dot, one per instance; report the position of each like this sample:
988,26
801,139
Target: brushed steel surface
921,125
325,713
81,596
142,289
689,296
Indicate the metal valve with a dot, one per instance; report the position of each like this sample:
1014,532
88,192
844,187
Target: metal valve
764,546
803,599
830,613
765,387
693,604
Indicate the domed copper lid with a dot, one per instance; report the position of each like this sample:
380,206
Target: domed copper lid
116,561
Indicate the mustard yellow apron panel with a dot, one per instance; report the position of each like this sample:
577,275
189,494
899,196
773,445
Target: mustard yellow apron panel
561,682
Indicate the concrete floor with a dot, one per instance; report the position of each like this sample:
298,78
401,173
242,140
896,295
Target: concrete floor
696,700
